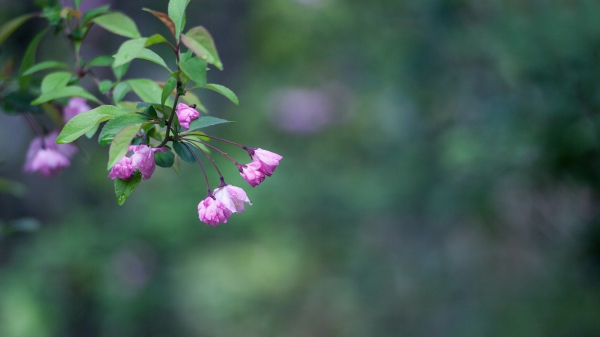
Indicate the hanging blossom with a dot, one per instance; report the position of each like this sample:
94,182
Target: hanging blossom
142,159
186,114
75,106
47,157
268,160
232,197
213,211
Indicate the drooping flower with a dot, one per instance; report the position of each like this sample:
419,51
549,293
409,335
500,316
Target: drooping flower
232,197
75,106
186,115
268,160
212,211
252,173
122,169
47,157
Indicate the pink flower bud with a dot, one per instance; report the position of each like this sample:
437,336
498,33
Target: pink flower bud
252,173
267,159
75,106
122,169
186,115
47,157
232,197
213,212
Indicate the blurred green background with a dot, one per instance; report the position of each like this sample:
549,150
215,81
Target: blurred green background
441,177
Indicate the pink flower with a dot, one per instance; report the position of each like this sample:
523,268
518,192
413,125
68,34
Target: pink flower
232,197
122,169
186,115
76,106
47,157
212,211
252,173
267,159
142,159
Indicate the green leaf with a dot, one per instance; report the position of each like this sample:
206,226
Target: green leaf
224,91
164,18
72,91
8,28
151,56
184,152
118,23
168,88
120,71
86,121
105,86
205,121
147,90
54,81
156,39
195,69
199,40
113,126
120,91
46,65
29,60
176,12
101,61
128,51
77,3
191,98
92,132
124,188
164,159
120,144
93,13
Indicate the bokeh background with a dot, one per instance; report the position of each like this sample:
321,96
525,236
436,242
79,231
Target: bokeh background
441,177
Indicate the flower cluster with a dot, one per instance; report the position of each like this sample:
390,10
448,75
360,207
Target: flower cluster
47,157
142,159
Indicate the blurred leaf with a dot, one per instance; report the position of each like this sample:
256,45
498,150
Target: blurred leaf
29,60
164,18
46,65
8,28
53,112
54,81
205,121
93,13
120,91
120,144
184,152
77,3
164,159
52,14
86,121
12,187
168,88
128,51
124,188
118,23
151,56
177,165
102,61
105,85
176,10
18,102
72,91
195,69
199,40
113,126
147,90
191,98
225,92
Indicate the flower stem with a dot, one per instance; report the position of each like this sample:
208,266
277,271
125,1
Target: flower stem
209,194
213,162
173,113
216,149
224,140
